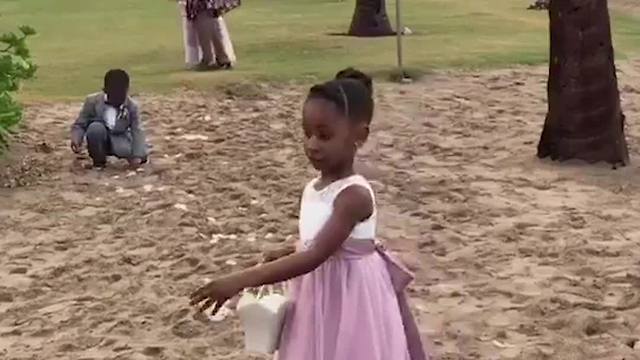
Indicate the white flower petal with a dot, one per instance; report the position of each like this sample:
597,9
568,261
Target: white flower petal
182,207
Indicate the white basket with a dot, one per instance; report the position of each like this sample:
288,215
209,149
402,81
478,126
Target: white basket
262,318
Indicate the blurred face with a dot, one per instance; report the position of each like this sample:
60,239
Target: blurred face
329,136
116,96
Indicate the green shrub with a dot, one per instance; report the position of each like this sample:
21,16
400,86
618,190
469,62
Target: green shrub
15,66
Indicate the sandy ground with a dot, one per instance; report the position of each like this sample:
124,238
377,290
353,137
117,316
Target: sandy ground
516,258
626,5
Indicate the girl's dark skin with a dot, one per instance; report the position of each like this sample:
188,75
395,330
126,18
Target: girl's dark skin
331,142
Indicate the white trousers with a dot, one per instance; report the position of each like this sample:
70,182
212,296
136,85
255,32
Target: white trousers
192,51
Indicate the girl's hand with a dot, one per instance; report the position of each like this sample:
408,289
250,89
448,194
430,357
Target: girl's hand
216,292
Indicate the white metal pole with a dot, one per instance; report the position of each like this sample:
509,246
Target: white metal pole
399,31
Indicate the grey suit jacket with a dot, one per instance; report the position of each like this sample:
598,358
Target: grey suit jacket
129,125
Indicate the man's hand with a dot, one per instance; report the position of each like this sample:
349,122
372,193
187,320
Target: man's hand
75,147
135,163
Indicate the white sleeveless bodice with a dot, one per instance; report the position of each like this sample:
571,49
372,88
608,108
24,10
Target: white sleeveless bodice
316,207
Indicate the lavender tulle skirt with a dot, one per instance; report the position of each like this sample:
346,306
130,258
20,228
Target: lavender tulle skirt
352,308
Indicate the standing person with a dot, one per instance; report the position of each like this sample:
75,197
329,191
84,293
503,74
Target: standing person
205,15
347,293
110,121
192,51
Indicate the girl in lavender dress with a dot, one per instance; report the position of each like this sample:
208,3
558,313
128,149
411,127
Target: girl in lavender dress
347,292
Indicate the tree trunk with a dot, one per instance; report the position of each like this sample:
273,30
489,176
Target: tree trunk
584,120
370,19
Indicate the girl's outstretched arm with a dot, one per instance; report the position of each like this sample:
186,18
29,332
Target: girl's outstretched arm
352,206
283,250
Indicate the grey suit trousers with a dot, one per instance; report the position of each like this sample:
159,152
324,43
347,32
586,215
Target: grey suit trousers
101,144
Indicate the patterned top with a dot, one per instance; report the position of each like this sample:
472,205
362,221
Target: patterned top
215,8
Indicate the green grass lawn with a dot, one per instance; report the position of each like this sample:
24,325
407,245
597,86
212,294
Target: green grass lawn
275,40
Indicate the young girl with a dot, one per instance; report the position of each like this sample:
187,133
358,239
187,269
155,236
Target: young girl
347,292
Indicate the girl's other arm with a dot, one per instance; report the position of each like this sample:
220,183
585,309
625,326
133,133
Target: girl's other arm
282,251
285,249
351,206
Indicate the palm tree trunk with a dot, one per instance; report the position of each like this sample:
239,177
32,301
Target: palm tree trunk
370,19
584,119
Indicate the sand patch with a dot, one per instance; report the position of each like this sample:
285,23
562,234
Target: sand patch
516,258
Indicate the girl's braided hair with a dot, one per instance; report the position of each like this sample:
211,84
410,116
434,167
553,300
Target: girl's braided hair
350,92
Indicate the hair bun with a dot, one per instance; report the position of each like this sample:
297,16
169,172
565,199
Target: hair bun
351,93
355,74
